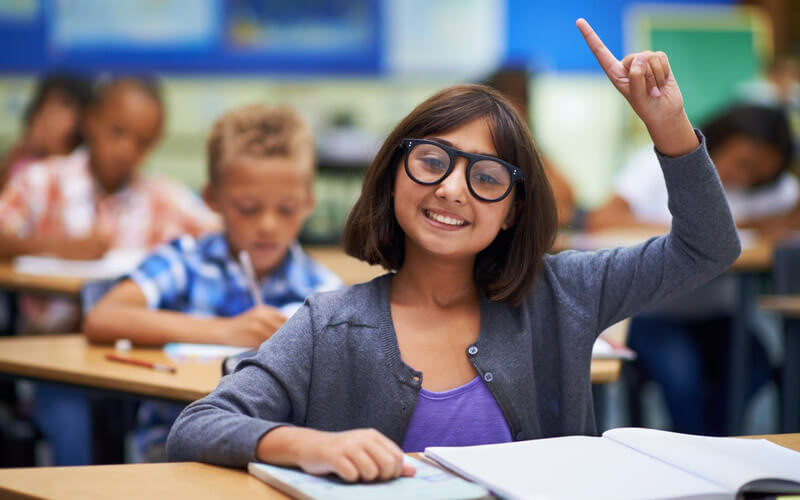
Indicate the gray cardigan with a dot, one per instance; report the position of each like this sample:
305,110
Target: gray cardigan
335,365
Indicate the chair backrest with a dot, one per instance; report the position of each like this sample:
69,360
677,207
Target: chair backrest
786,268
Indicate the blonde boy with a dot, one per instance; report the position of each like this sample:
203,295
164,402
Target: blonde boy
261,168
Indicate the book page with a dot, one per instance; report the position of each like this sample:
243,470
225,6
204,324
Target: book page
730,462
570,468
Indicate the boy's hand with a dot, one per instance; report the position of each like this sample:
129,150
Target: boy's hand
645,79
253,326
90,247
357,455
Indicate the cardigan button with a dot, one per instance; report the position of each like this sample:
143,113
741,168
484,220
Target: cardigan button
473,350
488,376
520,436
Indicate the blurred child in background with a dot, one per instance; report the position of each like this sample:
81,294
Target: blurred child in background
261,171
51,123
513,83
751,146
78,207
684,345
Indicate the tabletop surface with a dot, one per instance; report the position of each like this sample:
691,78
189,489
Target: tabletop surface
788,305
165,480
19,282
71,359
756,256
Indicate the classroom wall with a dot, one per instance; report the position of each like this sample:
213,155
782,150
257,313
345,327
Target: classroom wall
573,103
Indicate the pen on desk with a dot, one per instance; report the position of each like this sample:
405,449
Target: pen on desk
140,362
250,274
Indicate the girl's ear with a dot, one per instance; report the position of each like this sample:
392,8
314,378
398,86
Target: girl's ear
512,215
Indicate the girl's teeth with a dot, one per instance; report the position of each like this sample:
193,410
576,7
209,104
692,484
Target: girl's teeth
445,220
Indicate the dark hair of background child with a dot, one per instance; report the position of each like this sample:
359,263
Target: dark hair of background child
764,124
76,91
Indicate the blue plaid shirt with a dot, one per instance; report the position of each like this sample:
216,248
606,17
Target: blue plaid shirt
202,277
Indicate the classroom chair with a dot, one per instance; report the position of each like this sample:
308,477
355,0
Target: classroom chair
786,279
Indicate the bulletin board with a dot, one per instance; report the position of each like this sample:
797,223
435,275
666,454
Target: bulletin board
191,36
713,51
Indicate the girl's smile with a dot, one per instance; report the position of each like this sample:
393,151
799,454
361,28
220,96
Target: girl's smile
445,219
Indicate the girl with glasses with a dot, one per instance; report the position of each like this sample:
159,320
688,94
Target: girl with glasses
477,336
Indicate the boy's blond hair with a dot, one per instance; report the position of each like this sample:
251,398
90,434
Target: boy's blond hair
259,131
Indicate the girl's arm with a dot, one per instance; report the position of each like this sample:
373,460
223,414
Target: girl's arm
255,413
123,313
645,79
610,285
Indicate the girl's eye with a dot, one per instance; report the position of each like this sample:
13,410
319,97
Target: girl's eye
433,163
484,179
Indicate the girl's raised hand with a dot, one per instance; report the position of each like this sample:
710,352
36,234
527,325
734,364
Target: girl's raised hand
646,81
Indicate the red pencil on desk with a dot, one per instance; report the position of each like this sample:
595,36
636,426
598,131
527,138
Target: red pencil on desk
140,362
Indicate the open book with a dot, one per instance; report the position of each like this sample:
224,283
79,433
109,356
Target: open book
429,483
627,463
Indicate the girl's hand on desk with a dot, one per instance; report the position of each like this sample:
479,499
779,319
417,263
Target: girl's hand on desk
252,327
357,455
646,80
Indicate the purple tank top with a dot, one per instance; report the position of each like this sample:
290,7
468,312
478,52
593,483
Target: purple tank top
463,416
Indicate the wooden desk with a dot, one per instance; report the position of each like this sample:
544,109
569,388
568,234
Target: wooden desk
166,480
70,359
756,255
122,482
789,307
19,282
351,270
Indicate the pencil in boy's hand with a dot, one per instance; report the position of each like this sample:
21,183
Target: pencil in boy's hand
250,273
140,362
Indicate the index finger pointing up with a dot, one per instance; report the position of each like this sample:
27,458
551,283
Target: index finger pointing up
599,49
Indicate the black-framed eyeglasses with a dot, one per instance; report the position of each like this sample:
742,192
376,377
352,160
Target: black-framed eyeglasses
488,178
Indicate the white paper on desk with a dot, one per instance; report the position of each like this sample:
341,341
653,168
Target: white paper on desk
181,351
572,467
730,462
603,350
429,482
114,264
624,464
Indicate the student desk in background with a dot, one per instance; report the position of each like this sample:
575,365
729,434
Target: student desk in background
351,271
789,307
165,480
53,285
71,359
755,260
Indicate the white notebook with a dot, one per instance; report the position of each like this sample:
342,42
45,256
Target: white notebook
429,483
626,464
114,264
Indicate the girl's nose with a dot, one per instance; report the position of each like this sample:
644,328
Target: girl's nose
454,187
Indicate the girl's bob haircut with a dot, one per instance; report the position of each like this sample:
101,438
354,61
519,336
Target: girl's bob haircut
506,269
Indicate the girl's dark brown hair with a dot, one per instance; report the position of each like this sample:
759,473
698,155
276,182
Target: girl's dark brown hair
506,269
